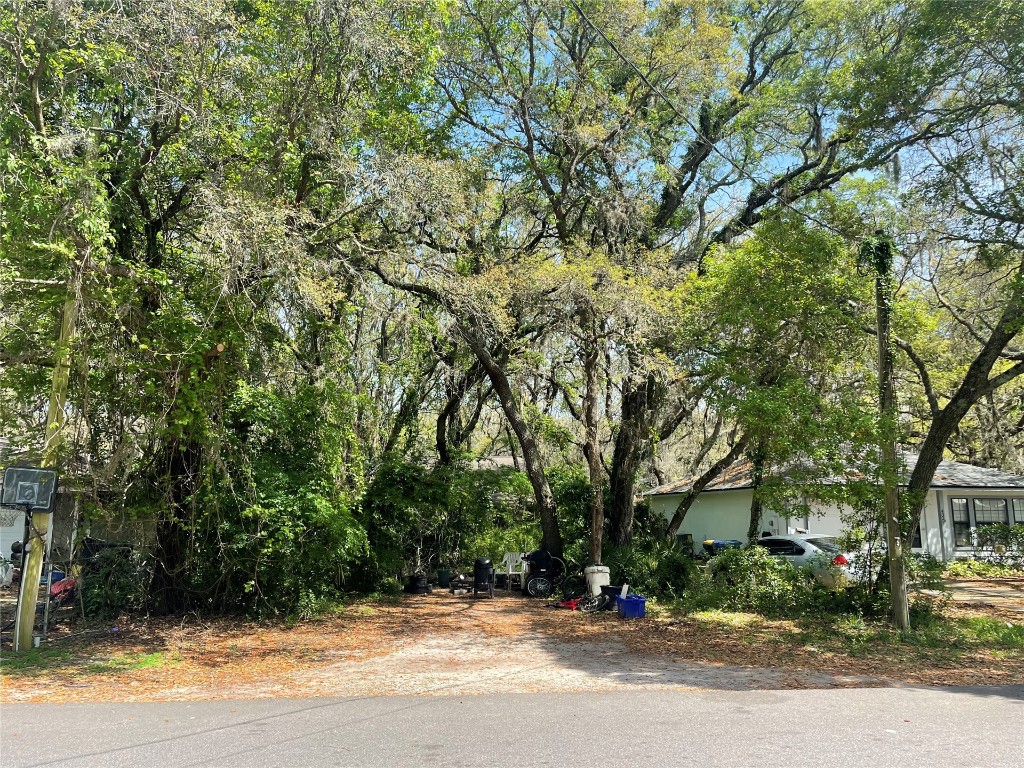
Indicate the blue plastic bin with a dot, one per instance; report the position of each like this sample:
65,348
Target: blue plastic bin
632,607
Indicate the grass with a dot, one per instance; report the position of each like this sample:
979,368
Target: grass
939,636
993,632
34,660
130,662
40,661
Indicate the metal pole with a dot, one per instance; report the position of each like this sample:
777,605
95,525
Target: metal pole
48,564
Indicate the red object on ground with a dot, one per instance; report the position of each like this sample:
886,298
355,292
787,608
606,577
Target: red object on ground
62,587
570,604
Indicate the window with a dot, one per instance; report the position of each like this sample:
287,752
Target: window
1018,510
825,545
989,511
970,519
775,546
961,522
781,547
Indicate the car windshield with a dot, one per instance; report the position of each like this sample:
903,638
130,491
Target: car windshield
825,544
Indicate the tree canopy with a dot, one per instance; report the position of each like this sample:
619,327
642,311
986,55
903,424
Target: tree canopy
331,279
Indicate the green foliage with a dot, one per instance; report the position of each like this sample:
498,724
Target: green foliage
277,531
1002,544
752,580
421,519
924,571
652,566
970,568
116,581
570,486
280,225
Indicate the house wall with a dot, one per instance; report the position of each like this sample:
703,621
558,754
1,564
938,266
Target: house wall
941,515
12,529
726,515
932,533
715,515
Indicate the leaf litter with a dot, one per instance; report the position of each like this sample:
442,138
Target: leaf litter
442,644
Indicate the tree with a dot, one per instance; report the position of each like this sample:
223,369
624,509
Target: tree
974,170
771,333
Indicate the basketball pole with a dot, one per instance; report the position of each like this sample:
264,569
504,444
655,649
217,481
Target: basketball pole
32,567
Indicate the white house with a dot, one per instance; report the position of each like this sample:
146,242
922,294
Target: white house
962,498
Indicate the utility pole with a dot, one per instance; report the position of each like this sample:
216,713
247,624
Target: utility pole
32,567
880,251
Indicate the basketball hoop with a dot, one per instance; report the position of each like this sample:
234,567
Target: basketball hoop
30,488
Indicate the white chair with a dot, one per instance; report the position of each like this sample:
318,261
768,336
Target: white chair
512,564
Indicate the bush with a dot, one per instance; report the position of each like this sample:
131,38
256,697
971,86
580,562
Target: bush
115,581
275,531
924,571
752,580
571,488
973,568
653,567
1001,544
421,519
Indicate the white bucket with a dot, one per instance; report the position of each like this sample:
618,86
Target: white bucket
597,576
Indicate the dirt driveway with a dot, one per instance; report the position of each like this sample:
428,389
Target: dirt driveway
442,644
1006,594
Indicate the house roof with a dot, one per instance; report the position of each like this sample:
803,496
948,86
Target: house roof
950,474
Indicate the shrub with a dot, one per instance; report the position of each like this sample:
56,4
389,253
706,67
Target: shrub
973,568
752,580
1002,544
651,566
418,518
924,571
274,530
115,581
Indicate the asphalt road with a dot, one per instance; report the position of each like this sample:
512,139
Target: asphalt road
847,727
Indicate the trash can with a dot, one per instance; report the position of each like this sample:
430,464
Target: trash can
483,576
597,576
716,546
444,577
632,607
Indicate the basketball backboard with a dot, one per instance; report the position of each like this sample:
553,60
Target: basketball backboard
29,488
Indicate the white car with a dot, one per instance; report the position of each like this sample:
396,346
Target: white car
817,552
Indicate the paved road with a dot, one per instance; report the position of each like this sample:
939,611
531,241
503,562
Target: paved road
851,727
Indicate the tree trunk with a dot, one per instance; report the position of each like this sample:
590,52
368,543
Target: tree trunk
532,459
35,554
592,451
632,444
756,505
700,484
881,250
